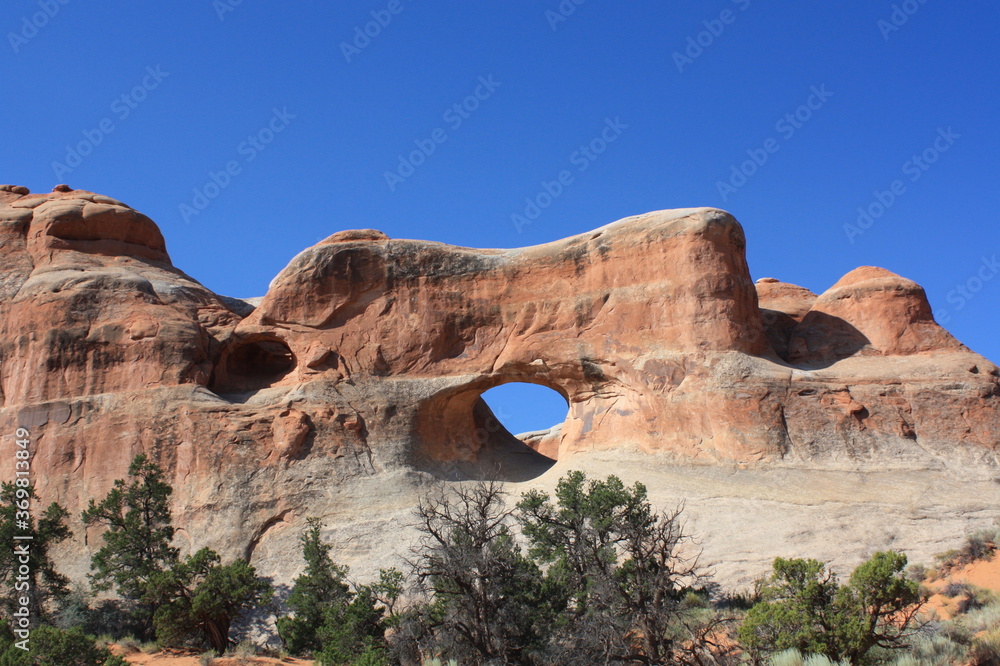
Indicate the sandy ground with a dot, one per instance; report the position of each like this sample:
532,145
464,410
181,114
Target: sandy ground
984,574
174,659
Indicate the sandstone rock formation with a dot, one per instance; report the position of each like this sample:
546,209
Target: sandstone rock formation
358,376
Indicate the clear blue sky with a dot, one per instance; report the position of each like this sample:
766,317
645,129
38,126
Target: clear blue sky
690,90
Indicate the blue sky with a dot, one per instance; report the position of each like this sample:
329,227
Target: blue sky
248,131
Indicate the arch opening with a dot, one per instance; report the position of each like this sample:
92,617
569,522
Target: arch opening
522,407
532,413
459,437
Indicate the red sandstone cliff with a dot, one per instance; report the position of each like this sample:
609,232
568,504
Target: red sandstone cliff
368,355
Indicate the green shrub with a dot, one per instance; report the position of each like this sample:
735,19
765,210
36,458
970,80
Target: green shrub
50,646
199,599
985,618
107,616
952,590
696,599
933,650
806,608
979,545
972,597
985,650
130,644
337,622
137,542
243,652
793,657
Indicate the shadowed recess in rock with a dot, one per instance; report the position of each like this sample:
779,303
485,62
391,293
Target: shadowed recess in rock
250,365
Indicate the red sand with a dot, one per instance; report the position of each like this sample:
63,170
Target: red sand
173,659
983,573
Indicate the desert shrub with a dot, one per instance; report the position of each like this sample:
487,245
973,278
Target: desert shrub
243,652
793,657
200,598
972,597
790,657
918,572
741,601
696,599
626,582
933,650
375,655
947,560
806,608
137,542
952,590
337,622
48,586
907,660
971,638
50,646
955,632
979,545
130,644
107,616
985,618
985,650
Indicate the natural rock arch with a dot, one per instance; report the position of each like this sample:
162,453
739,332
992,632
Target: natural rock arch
365,362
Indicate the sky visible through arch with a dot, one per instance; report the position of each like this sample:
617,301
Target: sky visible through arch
839,134
524,407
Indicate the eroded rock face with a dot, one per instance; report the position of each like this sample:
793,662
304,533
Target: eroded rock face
91,303
358,376
869,311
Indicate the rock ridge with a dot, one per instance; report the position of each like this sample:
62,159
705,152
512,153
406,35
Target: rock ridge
366,359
